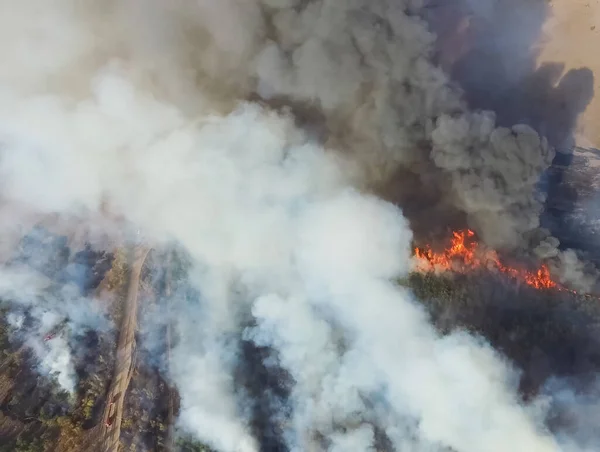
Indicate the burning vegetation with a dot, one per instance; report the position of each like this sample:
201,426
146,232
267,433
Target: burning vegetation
465,254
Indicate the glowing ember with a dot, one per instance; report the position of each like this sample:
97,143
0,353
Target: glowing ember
465,254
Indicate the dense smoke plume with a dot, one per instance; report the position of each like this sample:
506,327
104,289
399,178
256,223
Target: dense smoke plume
253,134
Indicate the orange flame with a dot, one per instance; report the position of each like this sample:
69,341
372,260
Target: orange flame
465,254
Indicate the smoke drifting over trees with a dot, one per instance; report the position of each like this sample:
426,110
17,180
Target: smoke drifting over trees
255,136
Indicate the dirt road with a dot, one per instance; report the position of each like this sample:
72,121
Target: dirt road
124,362
170,443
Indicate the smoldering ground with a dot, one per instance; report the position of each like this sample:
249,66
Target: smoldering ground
150,108
551,336
46,287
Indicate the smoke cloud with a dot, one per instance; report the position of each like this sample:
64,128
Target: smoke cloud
253,135
49,319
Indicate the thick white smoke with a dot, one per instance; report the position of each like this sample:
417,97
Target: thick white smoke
144,107
57,317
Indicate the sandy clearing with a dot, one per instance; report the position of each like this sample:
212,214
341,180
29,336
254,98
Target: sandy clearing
571,36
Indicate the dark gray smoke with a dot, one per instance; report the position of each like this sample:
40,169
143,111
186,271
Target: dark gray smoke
394,109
